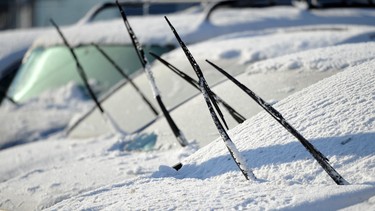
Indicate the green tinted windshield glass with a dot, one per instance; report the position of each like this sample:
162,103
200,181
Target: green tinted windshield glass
53,67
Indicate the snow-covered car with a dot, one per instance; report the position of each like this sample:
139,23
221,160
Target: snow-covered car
49,65
235,52
193,26
336,114
15,43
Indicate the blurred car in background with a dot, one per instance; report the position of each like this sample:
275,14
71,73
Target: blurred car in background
48,64
50,68
15,44
201,21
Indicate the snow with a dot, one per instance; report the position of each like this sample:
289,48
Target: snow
14,44
42,116
336,58
12,40
275,42
110,172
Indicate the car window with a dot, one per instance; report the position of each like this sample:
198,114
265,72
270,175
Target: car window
53,67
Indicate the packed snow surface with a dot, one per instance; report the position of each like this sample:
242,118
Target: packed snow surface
336,115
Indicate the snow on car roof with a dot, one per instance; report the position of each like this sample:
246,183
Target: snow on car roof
14,43
320,59
147,28
194,27
12,40
251,46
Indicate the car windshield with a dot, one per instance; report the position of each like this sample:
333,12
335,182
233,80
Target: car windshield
53,67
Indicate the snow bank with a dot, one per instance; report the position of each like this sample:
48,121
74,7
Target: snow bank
45,173
336,115
41,117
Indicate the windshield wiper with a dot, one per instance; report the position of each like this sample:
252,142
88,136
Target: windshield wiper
236,116
108,119
146,66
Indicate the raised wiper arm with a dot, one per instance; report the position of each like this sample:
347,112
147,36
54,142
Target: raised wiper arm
141,55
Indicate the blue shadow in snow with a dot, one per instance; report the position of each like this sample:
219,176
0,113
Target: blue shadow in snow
354,146
142,142
31,136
